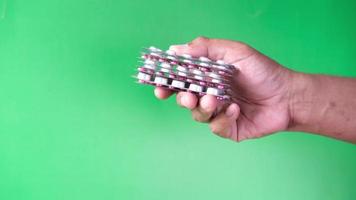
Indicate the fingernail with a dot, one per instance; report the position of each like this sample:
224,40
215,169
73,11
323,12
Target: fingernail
156,92
179,99
184,101
204,104
231,110
174,47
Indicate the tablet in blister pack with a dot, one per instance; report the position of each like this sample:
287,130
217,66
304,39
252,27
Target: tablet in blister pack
185,73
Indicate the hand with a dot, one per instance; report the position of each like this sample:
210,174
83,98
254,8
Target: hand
261,86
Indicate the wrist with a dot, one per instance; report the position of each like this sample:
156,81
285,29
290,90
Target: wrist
303,91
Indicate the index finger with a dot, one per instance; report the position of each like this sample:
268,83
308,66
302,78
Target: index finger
162,93
215,49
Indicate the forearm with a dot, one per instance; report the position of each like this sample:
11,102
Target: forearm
324,105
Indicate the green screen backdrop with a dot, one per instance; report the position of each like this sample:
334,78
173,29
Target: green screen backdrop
74,125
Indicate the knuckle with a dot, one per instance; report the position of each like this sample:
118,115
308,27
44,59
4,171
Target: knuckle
209,110
197,117
200,39
178,98
215,129
243,46
221,129
207,104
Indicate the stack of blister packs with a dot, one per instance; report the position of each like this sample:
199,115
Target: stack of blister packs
185,73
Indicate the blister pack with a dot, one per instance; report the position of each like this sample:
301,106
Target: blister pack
185,73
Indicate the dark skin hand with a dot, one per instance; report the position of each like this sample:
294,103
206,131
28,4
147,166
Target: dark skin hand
268,97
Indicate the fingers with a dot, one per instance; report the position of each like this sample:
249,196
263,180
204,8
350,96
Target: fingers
206,108
162,93
187,100
201,112
215,49
200,46
224,124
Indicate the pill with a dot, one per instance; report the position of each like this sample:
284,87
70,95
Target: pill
170,52
215,80
153,67
152,48
166,65
214,75
195,88
220,62
149,62
198,77
197,72
182,69
172,58
143,76
204,64
178,84
165,70
187,61
204,59
186,56
154,54
161,80
221,67
181,73
213,91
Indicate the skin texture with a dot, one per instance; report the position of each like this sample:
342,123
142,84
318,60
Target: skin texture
268,97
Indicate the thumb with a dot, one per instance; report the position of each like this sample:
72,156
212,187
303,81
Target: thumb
215,49
201,47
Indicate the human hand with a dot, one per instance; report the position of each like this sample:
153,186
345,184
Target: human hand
261,87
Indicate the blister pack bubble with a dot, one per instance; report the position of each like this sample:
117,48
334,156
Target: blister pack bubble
185,73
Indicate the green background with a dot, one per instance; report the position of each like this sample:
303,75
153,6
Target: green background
74,125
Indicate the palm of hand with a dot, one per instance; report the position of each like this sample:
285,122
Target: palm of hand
261,91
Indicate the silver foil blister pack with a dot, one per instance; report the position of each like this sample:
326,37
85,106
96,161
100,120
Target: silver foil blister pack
185,73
